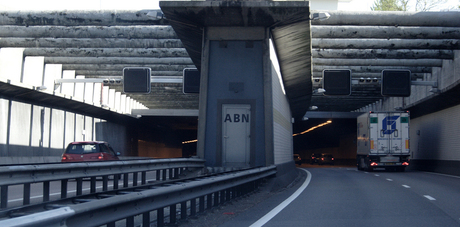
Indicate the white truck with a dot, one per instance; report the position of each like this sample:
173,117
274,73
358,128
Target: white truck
383,141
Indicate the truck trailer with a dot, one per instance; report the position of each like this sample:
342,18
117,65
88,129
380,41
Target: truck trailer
383,141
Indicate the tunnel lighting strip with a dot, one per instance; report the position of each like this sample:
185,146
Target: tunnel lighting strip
190,141
313,128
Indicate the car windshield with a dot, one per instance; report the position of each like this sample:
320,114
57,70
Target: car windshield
82,148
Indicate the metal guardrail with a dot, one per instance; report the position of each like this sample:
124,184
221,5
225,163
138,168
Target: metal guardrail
45,173
214,190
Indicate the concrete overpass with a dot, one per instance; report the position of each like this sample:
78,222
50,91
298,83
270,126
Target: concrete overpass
38,48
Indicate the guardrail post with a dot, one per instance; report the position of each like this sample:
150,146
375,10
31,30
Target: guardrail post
209,201
164,174
216,199
201,205
130,221
115,181
93,185
160,217
26,194
79,186
183,210
126,180
172,214
4,196
193,207
144,177
105,181
222,196
46,191
171,173
64,188
146,219
135,174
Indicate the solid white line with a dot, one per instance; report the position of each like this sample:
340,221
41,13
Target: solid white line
429,197
282,205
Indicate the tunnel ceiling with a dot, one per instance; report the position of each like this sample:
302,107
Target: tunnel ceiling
101,44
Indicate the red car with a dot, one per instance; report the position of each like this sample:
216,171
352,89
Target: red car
89,151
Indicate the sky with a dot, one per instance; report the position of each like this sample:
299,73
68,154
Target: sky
41,5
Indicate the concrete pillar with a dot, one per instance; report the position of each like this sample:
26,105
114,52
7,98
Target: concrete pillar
4,106
68,88
105,96
89,93
123,103
33,71
112,99
52,72
97,94
79,89
11,62
117,103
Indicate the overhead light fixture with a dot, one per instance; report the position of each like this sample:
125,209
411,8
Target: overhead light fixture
320,16
313,108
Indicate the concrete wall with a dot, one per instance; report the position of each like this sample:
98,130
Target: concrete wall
238,65
282,126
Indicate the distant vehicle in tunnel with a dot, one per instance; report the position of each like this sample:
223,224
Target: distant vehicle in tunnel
297,159
89,151
321,159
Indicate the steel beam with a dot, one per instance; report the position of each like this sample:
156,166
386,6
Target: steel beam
371,69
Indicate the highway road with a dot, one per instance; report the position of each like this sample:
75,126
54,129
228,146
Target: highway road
341,196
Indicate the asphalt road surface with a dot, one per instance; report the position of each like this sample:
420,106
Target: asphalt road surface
343,196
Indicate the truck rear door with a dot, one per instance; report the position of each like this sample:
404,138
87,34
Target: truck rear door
393,135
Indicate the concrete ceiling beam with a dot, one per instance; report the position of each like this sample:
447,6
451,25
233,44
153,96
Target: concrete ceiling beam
437,44
385,32
79,18
119,67
382,54
107,52
378,62
90,43
119,60
371,69
128,32
118,73
378,75
391,18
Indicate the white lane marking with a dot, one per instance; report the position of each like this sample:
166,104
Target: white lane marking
282,205
406,186
429,197
388,179
440,174
376,175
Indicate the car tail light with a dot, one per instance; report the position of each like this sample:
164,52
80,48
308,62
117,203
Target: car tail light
64,158
332,159
100,157
405,163
322,159
374,164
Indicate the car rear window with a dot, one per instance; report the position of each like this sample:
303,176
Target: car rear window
82,148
